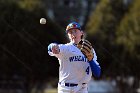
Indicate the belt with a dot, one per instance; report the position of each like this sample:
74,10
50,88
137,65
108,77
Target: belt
71,84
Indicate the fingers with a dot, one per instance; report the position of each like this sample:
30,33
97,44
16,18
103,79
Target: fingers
55,49
86,49
86,41
86,46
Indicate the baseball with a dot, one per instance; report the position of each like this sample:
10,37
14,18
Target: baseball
42,21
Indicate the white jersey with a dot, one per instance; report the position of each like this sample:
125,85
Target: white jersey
74,66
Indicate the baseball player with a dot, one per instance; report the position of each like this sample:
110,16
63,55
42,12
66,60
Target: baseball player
77,61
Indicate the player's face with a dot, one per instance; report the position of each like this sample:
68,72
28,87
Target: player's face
75,35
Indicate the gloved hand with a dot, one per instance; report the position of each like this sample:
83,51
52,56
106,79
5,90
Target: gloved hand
86,48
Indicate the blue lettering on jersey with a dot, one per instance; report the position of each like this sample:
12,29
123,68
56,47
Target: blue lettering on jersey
77,58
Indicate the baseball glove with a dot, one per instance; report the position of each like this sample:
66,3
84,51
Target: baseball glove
86,48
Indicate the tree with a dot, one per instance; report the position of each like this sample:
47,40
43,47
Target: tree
101,30
24,41
128,37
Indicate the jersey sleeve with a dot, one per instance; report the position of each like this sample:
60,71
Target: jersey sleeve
95,57
62,49
95,67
